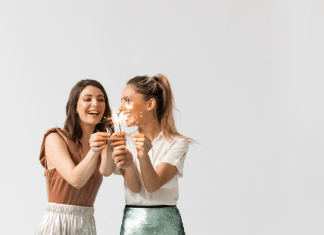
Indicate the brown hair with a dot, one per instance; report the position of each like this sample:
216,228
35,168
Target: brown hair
158,88
72,125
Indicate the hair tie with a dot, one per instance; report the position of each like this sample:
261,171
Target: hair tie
155,78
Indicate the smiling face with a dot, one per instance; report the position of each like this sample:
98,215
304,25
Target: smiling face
133,106
91,105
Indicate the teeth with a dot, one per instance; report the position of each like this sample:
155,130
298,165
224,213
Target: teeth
93,112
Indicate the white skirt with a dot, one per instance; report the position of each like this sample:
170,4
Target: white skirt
61,219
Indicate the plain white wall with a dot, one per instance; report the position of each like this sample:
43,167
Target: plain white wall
247,78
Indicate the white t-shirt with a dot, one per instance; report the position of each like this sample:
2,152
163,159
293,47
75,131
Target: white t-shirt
170,151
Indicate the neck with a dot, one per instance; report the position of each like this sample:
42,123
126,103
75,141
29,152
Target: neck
87,131
151,129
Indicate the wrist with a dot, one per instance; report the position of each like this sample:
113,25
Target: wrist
109,153
144,158
95,153
130,168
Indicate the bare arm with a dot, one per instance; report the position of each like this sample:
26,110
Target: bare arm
57,153
154,180
132,178
107,166
123,159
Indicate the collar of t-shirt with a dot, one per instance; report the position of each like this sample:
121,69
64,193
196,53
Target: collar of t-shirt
160,136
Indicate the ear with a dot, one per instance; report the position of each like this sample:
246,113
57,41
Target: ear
151,104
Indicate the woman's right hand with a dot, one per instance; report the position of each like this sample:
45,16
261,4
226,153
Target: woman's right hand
122,157
98,141
117,139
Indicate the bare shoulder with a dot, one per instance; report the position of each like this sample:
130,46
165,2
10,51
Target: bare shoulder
57,153
54,141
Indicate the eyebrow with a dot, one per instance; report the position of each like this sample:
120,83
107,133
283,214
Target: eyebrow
91,95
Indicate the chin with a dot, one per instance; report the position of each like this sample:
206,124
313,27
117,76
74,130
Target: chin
92,122
130,124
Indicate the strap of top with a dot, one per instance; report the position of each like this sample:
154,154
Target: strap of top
73,149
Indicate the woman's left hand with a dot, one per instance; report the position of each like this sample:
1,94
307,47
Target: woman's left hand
143,146
98,141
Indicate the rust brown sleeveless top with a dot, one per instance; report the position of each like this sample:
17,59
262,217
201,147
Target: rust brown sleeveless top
58,189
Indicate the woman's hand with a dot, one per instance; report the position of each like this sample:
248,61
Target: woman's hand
117,144
122,157
143,146
117,139
98,141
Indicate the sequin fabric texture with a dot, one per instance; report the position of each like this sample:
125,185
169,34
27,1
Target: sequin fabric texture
60,219
149,221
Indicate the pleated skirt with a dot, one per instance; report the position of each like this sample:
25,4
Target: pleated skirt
148,220
61,219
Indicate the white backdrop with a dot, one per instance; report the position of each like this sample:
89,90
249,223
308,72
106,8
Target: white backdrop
247,78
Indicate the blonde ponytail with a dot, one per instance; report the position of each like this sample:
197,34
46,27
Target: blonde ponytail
159,88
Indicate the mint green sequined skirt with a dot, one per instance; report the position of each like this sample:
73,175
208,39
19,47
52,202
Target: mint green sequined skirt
149,220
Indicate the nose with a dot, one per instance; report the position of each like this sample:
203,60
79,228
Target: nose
94,103
121,107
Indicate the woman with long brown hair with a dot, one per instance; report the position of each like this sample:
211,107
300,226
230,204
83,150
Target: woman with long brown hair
75,158
154,158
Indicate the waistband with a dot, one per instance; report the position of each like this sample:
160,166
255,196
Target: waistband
146,206
69,209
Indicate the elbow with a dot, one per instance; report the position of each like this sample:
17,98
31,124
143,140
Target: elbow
77,185
154,187
136,190
105,174
152,190
106,171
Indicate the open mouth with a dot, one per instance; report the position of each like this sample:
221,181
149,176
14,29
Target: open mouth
94,113
127,116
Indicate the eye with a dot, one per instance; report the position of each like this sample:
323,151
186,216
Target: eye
87,100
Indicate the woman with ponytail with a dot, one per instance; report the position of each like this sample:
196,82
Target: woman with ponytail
154,158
